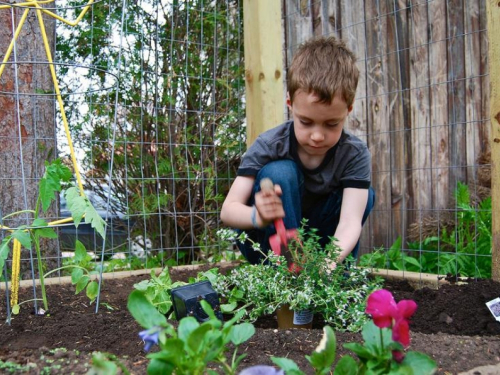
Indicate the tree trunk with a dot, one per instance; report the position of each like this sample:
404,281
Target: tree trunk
27,115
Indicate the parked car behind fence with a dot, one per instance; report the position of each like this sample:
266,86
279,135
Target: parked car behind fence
118,228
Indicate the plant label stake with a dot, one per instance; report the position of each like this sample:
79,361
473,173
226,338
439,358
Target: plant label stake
279,241
186,300
494,307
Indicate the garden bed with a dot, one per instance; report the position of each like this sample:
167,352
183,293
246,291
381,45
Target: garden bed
452,324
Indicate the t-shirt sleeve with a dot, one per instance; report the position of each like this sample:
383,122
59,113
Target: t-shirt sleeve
257,156
357,173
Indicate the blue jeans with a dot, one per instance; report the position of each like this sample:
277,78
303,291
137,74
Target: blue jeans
323,213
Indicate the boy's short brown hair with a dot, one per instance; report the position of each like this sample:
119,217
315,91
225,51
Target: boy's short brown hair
324,66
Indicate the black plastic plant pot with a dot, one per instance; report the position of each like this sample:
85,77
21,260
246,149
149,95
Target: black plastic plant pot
186,300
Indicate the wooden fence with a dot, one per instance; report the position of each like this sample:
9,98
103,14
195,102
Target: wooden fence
422,103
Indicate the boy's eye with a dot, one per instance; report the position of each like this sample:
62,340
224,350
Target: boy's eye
332,125
305,122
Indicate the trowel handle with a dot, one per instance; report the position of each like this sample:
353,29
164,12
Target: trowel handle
266,184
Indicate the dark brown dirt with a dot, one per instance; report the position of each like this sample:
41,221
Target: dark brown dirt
452,324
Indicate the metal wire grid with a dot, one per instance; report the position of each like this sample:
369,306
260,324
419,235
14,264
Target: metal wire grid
406,33
384,213
90,110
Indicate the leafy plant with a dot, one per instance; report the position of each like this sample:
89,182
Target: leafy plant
337,294
321,359
464,250
157,290
382,352
30,235
394,259
191,347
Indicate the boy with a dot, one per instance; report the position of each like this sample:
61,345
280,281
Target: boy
320,171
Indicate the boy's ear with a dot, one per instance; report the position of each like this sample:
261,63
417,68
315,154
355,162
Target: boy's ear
349,109
288,101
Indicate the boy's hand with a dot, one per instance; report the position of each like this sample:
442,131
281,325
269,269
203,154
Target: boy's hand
269,206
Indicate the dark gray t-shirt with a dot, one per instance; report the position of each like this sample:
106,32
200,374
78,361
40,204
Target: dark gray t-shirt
346,165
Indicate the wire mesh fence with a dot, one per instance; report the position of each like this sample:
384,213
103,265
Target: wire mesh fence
422,106
153,94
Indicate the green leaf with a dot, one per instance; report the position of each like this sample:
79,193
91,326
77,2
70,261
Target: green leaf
92,290
241,333
287,365
45,233
4,251
213,321
93,218
39,223
371,334
80,252
76,275
228,307
143,311
81,284
76,204
24,237
324,355
101,365
196,338
346,366
186,326
420,363
159,367
411,260
51,182
172,351
360,350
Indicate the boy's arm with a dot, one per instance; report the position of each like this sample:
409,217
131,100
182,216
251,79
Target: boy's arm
237,214
351,215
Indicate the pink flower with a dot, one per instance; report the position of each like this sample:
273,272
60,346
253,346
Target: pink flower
382,307
387,313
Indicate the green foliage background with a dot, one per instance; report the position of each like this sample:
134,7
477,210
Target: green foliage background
178,109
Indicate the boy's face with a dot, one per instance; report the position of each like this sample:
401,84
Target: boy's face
318,126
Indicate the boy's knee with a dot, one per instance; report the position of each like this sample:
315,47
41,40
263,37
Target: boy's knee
282,172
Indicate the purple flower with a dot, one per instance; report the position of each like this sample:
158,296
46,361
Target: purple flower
150,337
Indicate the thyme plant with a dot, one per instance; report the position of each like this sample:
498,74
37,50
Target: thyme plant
338,294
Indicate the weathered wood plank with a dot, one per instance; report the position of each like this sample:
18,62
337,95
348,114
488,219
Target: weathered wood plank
378,116
298,25
396,58
419,109
352,32
456,94
438,108
324,17
485,129
473,87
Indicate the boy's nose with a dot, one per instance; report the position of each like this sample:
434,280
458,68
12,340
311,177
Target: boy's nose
317,136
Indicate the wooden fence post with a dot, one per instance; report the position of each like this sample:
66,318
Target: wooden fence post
263,66
493,17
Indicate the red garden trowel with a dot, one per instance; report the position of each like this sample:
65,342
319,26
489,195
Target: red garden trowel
279,241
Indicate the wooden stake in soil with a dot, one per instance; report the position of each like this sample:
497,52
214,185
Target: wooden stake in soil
493,17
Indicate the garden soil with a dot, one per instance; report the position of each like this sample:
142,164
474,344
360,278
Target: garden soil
452,325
